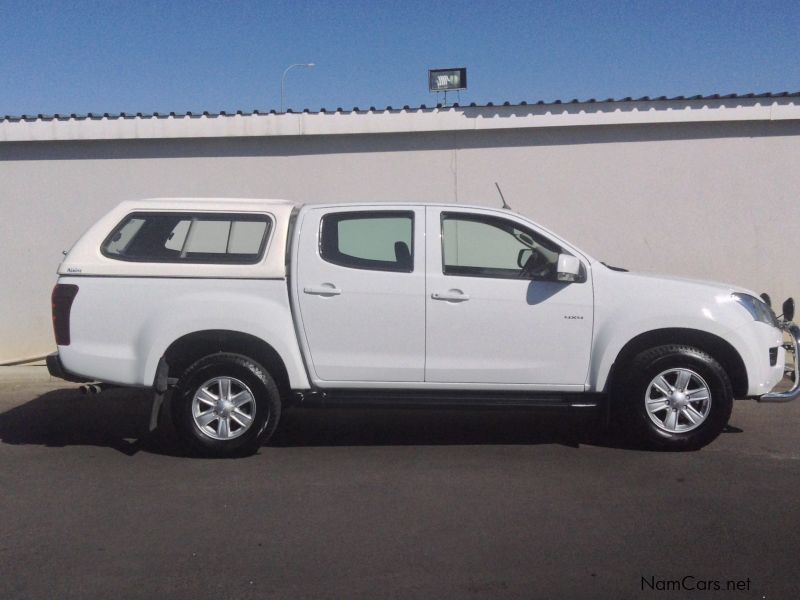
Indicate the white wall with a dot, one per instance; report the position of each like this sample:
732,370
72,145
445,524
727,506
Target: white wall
710,200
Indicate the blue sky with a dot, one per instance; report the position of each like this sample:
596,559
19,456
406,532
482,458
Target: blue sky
176,56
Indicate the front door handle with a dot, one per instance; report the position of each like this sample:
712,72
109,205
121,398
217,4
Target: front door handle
326,289
451,296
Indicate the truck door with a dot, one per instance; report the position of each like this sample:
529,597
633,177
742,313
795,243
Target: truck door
489,320
360,287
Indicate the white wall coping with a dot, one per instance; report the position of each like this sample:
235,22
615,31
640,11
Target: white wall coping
462,118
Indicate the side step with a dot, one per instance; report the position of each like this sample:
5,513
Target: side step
447,398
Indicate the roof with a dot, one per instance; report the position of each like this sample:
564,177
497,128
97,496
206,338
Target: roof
219,203
646,109
355,109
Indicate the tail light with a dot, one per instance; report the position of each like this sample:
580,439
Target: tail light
63,295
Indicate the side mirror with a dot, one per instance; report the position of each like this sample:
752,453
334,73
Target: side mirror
569,268
523,256
788,309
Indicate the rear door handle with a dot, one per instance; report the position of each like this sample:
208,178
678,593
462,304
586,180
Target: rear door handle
326,289
451,296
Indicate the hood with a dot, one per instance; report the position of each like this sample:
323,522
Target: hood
714,286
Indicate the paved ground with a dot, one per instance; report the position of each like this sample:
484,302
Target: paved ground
387,504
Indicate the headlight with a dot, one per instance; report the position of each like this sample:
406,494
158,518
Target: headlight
757,308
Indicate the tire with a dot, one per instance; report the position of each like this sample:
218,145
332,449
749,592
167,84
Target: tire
209,425
670,419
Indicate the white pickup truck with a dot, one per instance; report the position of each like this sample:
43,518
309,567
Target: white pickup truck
233,308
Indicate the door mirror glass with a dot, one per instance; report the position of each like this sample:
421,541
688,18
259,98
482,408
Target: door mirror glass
569,268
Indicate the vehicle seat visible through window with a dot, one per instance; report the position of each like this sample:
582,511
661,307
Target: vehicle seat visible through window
403,256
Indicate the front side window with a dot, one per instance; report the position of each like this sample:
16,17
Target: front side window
486,246
374,240
189,237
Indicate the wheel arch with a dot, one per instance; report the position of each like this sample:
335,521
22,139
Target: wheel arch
191,347
720,349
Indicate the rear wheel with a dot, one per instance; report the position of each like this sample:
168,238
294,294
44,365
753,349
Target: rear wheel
226,405
674,398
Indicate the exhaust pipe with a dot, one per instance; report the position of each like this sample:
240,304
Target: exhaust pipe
91,389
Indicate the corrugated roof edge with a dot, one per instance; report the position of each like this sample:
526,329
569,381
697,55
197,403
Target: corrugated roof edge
372,109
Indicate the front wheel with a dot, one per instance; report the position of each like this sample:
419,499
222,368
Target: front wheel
226,405
674,398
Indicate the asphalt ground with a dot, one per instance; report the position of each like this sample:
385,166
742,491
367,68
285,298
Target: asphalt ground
388,504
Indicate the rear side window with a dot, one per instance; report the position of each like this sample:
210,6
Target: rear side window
374,240
189,237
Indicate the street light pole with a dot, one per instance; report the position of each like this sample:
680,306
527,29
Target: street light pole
289,68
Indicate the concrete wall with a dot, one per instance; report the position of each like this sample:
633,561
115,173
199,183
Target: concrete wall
709,200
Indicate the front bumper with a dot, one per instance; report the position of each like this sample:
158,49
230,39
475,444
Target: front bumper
794,393
56,369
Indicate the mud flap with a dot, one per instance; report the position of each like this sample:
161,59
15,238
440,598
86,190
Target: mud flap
160,386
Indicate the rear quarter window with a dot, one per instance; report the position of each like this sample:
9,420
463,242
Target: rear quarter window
212,238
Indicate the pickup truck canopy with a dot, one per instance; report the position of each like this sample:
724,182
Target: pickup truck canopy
86,257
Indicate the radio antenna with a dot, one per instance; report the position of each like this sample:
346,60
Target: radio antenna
503,198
